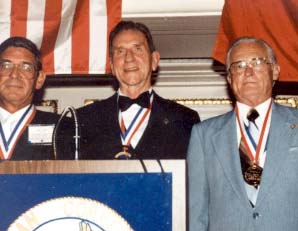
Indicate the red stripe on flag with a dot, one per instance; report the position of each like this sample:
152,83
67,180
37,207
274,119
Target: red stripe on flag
52,21
114,8
80,38
19,9
80,51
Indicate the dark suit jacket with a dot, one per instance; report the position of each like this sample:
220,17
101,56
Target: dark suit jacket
166,136
27,151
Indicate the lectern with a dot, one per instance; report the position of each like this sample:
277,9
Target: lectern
87,195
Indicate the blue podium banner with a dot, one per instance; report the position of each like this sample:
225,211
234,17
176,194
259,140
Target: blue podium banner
143,200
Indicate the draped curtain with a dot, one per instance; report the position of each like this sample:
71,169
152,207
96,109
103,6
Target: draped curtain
275,21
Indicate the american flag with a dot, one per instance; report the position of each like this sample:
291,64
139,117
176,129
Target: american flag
72,34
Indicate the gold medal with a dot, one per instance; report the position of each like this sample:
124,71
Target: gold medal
252,175
124,154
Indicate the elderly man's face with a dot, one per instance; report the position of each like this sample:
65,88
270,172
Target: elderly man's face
253,84
131,61
18,80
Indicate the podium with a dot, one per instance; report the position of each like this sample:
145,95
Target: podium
93,195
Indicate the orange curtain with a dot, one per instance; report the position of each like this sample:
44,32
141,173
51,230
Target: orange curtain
275,21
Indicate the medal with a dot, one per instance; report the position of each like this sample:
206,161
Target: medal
124,154
127,134
252,175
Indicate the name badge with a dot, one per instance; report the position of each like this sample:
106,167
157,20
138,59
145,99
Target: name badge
40,134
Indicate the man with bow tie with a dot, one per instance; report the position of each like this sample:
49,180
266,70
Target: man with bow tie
134,123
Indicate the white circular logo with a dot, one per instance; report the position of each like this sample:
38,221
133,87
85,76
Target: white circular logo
70,214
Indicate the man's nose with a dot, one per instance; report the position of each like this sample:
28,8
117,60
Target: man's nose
14,73
129,56
248,70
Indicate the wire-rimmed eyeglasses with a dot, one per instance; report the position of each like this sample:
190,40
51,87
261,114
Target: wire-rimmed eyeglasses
24,68
257,64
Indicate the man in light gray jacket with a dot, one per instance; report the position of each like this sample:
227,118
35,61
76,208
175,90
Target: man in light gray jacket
242,178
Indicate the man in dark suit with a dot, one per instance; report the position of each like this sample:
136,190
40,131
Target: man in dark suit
25,133
134,123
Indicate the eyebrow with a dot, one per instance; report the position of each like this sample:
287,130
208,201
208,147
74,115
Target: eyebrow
8,60
134,44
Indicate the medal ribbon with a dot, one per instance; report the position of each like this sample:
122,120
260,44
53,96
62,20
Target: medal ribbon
125,132
259,145
16,131
250,137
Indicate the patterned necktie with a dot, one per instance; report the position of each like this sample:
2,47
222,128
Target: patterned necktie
143,100
253,133
253,130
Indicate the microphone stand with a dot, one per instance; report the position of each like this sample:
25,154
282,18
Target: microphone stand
72,110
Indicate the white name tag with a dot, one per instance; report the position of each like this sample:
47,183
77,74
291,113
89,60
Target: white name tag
40,133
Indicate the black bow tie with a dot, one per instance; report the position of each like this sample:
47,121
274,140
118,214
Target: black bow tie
143,100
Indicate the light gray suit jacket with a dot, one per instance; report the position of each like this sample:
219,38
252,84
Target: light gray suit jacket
217,197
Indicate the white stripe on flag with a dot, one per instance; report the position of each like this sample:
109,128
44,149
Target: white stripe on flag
98,36
5,6
62,54
35,21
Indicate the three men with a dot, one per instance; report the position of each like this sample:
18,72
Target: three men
135,122
242,165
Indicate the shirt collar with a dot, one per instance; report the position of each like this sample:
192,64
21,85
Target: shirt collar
121,93
6,116
261,108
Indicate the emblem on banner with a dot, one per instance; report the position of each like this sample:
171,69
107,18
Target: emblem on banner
69,214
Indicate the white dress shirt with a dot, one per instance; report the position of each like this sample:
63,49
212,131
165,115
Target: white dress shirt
128,117
262,109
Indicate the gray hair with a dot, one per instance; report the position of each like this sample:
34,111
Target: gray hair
270,52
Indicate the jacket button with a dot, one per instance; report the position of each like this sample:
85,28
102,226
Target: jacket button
255,215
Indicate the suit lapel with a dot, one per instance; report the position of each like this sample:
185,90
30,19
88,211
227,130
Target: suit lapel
158,120
25,151
158,116
277,151
114,124
228,154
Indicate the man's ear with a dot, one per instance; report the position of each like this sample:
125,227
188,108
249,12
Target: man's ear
275,72
40,80
155,60
229,79
112,67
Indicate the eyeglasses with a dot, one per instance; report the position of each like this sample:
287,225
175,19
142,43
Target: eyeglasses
25,69
257,64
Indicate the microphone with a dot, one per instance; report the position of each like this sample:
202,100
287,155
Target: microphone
143,165
76,137
145,168
160,165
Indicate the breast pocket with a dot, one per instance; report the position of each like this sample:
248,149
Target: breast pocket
293,155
